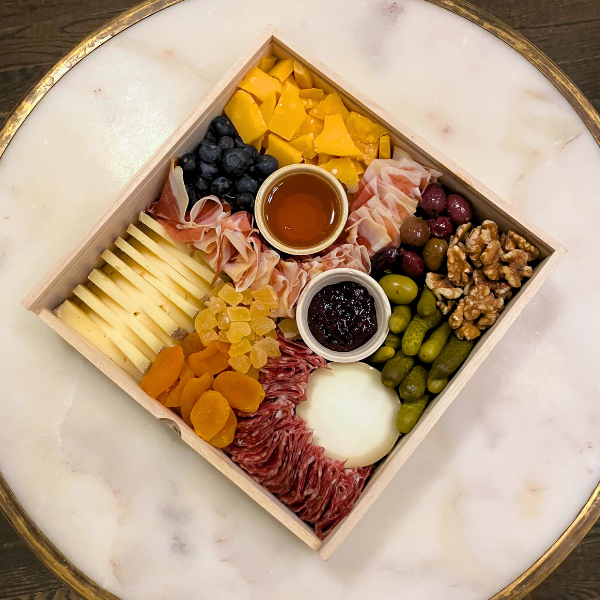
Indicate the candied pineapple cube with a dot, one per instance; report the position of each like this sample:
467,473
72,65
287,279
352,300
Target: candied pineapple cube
270,346
239,348
258,357
223,321
237,331
240,363
238,313
222,337
252,372
262,325
230,296
251,337
247,297
205,320
289,328
271,334
208,336
267,296
215,305
258,309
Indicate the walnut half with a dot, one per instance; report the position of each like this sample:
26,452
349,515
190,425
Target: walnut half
517,268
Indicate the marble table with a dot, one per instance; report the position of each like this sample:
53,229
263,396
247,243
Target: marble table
499,478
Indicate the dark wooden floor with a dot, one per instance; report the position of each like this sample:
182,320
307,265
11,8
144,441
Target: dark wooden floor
35,33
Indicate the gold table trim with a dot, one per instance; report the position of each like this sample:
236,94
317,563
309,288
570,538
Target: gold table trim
10,506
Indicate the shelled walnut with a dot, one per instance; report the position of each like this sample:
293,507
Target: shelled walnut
482,269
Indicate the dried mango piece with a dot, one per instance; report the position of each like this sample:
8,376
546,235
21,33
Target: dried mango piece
206,337
252,372
223,321
174,399
205,319
270,346
258,357
239,348
209,415
227,434
267,296
191,343
192,390
262,325
237,331
258,309
247,297
230,296
164,371
241,391
289,328
240,363
215,305
238,313
363,129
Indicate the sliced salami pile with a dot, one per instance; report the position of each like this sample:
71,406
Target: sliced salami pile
275,446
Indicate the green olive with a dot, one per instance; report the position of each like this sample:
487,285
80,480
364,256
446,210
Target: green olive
434,253
399,288
383,354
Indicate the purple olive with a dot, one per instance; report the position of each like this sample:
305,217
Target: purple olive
385,260
412,264
459,209
440,227
433,201
414,231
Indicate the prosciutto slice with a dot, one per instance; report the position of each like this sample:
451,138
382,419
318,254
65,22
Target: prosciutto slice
275,447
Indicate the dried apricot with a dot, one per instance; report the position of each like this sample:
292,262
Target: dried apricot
209,415
164,371
227,434
191,343
242,391
162,397
174,398
223,347
212,364
191,392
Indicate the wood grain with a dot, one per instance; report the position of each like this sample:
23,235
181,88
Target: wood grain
35,33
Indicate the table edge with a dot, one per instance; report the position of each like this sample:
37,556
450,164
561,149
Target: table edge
24,525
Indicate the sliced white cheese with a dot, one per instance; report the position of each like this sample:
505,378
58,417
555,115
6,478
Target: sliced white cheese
352,414
187,276
151,267
70,314
87,296
147,297
118,301
186,254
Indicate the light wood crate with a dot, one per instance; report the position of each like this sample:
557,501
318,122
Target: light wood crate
74,267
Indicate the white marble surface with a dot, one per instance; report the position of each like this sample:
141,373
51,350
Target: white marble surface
507,467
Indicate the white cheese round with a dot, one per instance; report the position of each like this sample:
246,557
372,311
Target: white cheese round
352,414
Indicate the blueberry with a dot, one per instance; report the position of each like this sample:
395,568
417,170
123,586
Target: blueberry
247,185
221,186
252,153
266,164
191,192
235,162
245,201
188,162
210,137
201,187
226,143
210,153
239,142
208,171
222,126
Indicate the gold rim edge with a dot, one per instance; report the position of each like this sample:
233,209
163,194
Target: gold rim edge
9,504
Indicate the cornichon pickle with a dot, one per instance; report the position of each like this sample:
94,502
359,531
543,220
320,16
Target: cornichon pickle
413,386
427,303
393,340
434,344
410,412
400,319
416,330
396,369
435,386
383,354
450,358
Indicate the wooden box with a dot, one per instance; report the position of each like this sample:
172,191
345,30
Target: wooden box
147,184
